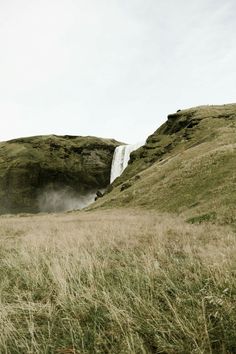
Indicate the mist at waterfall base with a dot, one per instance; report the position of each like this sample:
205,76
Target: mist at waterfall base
64,199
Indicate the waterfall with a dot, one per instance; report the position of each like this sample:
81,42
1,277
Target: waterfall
121,158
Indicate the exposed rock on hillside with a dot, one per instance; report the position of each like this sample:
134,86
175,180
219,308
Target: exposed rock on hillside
31,166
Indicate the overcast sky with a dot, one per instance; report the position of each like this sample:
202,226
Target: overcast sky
111,68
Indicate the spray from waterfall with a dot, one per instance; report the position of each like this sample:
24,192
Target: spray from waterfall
121,158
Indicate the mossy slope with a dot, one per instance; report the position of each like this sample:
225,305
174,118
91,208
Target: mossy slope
187,166
29,165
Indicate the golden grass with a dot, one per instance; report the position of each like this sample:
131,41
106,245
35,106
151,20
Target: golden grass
120,281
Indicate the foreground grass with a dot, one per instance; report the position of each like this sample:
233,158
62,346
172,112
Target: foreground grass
116,282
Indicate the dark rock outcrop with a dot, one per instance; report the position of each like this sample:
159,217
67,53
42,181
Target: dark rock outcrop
99,194
31,166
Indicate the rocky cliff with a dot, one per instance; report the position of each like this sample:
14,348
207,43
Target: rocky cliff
68,165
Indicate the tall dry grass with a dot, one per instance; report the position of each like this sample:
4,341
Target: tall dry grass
116,282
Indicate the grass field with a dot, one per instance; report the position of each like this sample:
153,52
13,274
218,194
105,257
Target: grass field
118,281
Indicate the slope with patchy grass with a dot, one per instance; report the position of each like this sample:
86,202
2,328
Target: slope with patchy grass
188,166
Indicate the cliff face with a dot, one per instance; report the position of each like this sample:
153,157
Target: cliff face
187,166
31,166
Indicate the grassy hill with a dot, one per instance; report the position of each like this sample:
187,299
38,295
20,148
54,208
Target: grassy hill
186,167
60,167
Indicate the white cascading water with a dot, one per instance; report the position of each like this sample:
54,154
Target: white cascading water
121,158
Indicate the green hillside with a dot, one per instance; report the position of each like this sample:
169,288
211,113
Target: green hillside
69,165
188,166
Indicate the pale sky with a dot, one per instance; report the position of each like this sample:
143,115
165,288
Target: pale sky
111,68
